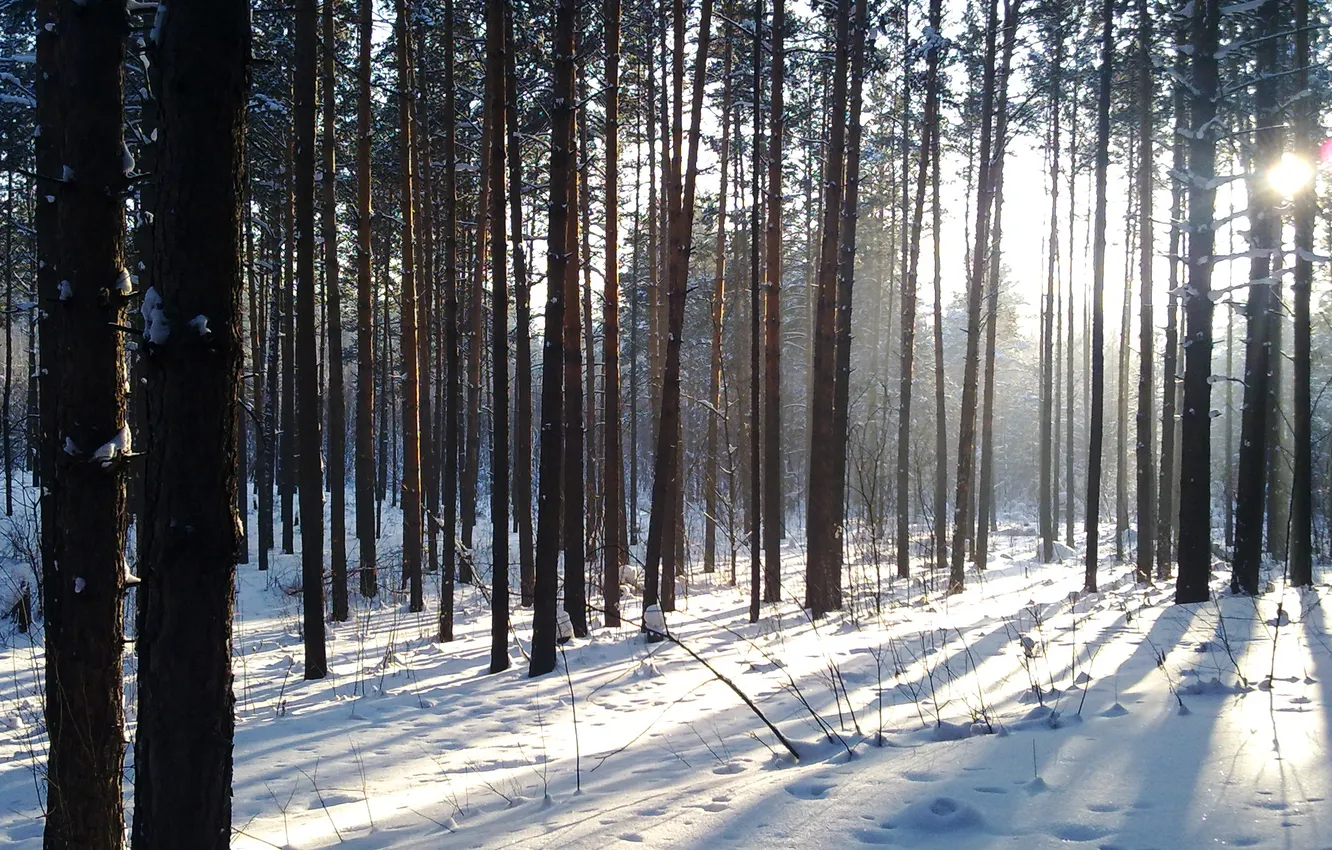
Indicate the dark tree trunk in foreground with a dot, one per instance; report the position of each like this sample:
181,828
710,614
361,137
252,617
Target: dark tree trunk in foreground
83,534
755,507
1165,528
1195,487
1049,498
522,437
612,486
365,327
1098,289
545,599
308,405
182,754
499,340
575,564
719,295
666,476
909,299
452,381
411,444
822,576
966,441
846,275
1259,363
773,510
1301,496
337,434
1146,333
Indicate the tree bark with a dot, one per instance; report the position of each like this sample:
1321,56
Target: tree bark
308,406
365,328
80,80
183,749
552,368
1146,330
774,515
337,435
1195,489
411,388
499,340
522,438
966,444
823,526
1301,496
1264,245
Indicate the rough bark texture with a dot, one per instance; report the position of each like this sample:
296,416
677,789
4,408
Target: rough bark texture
1264,243
559,251
823,526
182,754
411,389
966,441
365,328
1098,289
84,515
612,486
1195,487
1146,331
499,340
337,401
773,505
308,404
1301,496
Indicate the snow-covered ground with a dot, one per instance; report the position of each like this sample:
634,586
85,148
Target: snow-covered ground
1019,714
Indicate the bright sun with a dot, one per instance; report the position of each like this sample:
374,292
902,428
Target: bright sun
1290,175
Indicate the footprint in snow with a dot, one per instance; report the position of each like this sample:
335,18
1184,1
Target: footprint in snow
991,789
873,837
920,776
809,790
728,769
1078,831
631,836
1102,807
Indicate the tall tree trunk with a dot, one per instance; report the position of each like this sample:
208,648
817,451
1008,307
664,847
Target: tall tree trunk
1070,472
522,438
452,380
1301,496
411,388
909,289
183,751
1146,333
365,328
755,261
307,372
286,475
1195,488
846,280
966,444
472,447
1264,243
575,564
552,369
682,179
1098,289
718,317
1049,444
774,516
80,95
337,434
823,526
499,340
985,499
940,411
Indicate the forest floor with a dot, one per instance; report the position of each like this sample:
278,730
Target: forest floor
1021,713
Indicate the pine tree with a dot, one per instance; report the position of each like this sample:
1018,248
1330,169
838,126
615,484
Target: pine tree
183,746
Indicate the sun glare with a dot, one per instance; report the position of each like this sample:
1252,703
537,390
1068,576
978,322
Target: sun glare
1290,175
